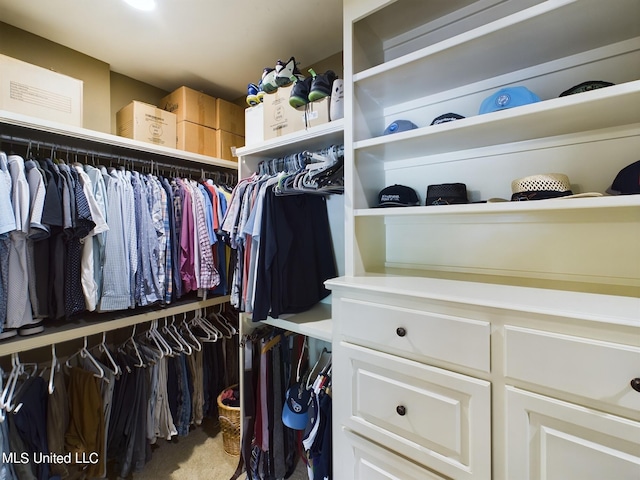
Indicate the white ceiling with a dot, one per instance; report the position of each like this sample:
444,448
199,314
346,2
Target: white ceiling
216,46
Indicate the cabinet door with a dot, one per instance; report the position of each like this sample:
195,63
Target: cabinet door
554,440
437,418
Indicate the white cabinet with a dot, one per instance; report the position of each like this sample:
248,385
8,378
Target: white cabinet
468,380
530,306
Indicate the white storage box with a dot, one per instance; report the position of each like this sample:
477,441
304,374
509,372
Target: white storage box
35,91
254,125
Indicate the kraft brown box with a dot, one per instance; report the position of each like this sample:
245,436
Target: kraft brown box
147,123
230,117
191,106
197,139
226,140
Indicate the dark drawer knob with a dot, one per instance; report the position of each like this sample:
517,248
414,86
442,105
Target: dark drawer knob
401,410
635,384
401,331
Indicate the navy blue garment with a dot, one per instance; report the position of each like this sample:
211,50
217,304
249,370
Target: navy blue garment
296,255
31,422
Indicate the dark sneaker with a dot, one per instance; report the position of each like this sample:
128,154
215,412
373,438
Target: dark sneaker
321,85
287,73
300,93
252,94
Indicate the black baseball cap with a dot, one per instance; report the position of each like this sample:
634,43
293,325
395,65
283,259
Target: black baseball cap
627,181
398,196
447,194
586,86
446,117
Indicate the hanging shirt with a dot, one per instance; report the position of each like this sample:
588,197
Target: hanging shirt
87,264
18,303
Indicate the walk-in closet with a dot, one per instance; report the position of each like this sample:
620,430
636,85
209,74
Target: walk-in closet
320,240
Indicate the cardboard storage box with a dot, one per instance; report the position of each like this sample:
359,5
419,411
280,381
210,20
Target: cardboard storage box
227,140
147,123
191,106
316,113
197,139
230,117
280,118
35,91
254,124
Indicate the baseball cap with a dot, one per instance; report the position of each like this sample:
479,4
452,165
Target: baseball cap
586,86
447,194
627,181
399,126
508,98
295,411
398,196
446,117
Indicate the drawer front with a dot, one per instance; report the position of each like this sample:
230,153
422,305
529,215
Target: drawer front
601,371
551,439
416,334
437,418
371,462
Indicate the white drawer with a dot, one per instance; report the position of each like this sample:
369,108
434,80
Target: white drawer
371,462
437,418
416,334
593,369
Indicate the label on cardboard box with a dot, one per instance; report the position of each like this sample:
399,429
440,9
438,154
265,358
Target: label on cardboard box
280,118
35,91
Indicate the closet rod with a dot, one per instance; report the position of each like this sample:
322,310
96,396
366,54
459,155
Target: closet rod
109,156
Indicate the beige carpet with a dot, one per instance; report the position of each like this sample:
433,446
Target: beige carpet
198,456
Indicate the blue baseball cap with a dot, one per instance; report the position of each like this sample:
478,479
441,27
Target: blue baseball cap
508,98
399,126
295,411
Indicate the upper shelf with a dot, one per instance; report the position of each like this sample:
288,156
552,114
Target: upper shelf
615,106
312,138
14,124
604,208
552,30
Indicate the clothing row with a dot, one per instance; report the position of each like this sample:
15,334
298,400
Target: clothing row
283,246
83,238
109,407
283,426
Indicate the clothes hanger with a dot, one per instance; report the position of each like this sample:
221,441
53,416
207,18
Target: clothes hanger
84,353
185,325
102,347
131,341
55,365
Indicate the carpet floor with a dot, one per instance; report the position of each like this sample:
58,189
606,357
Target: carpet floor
198,456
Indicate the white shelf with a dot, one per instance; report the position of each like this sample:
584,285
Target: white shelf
108,141
315,323
584,306
595,208
542,33
313,138
105,322
615,106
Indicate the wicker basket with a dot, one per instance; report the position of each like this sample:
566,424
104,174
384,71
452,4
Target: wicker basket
230,424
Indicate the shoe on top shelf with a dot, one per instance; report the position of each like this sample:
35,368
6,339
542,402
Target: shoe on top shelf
321,84
252,95
300,93
268,82
287,73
